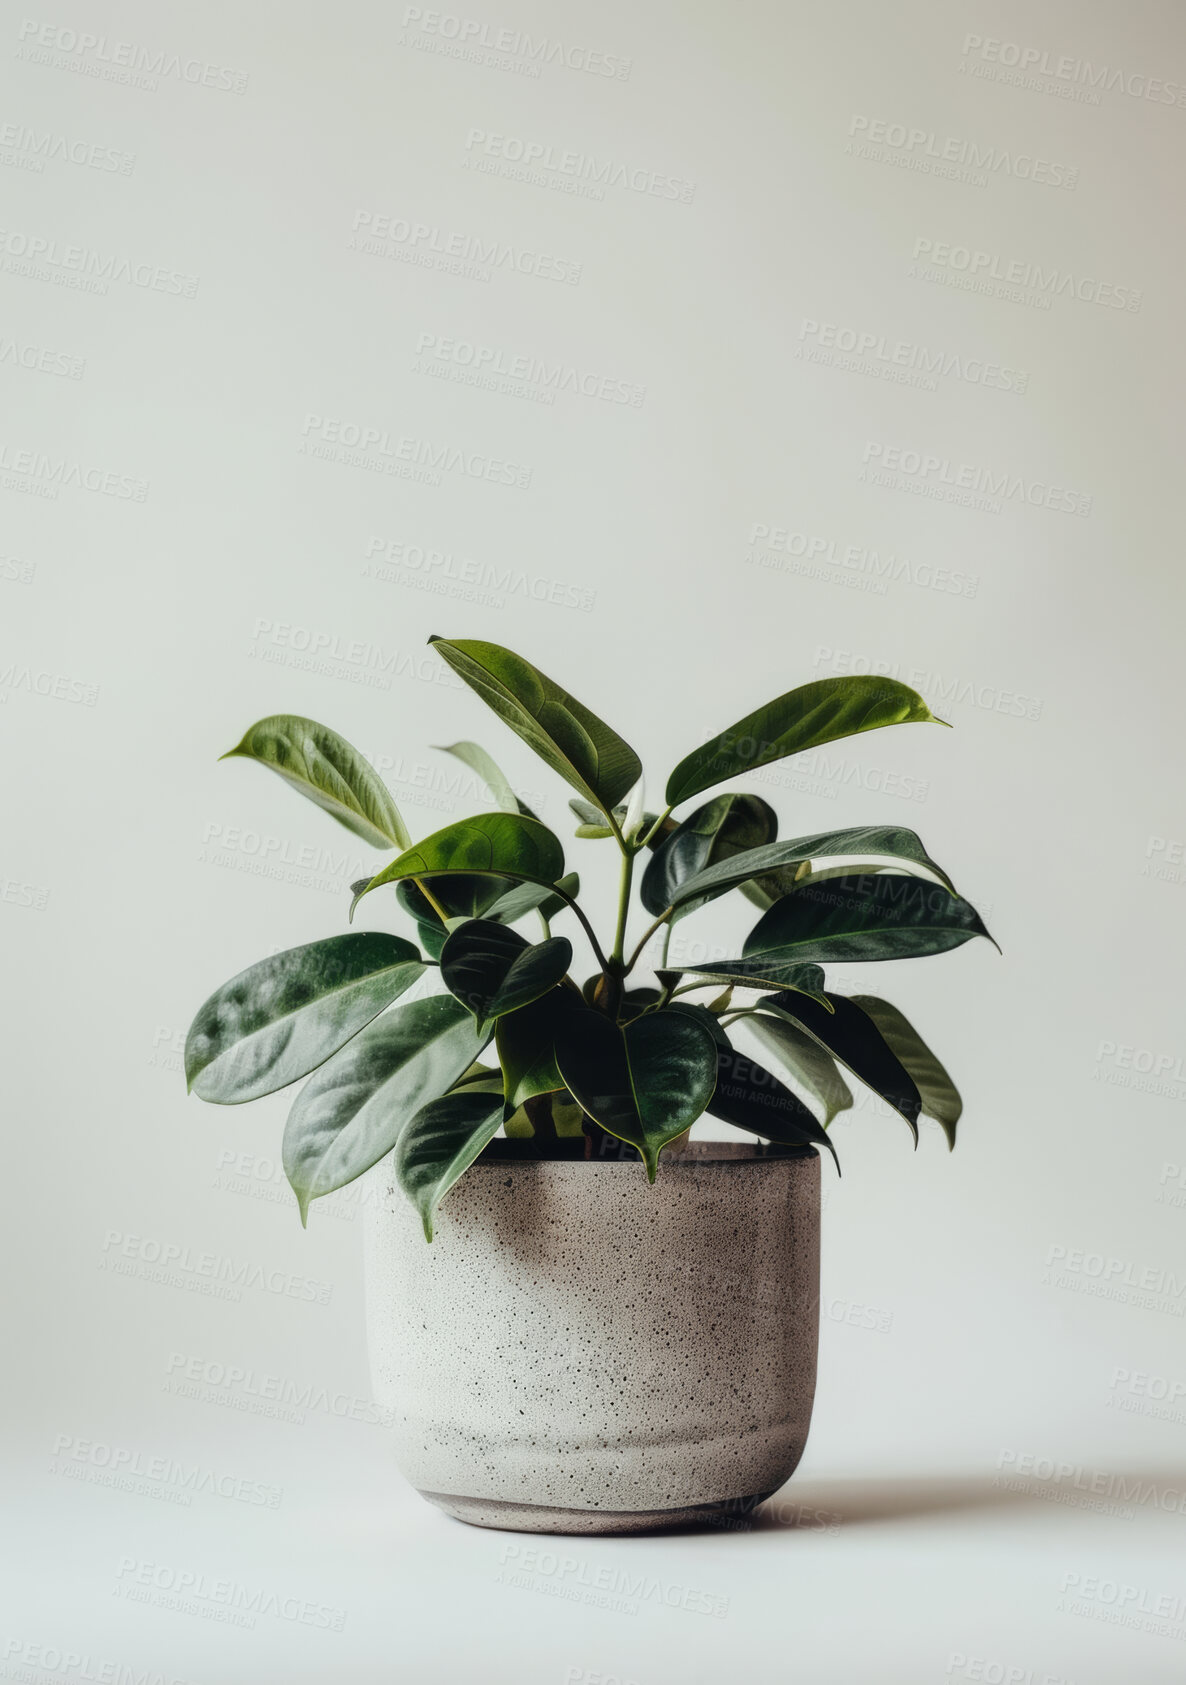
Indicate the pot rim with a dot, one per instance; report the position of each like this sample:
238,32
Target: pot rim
500,1152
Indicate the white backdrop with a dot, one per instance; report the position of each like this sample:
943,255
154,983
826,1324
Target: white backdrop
693,351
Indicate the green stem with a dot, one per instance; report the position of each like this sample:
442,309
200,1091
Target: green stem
615,958
589,930
432,900
645,938
656,827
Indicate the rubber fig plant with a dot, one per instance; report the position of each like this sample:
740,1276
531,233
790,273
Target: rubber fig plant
582,1067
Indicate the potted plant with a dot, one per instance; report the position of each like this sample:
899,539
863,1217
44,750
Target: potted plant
581,1347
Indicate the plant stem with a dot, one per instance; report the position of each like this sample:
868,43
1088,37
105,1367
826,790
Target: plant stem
589,930
656,827
645,938
432,900
615,957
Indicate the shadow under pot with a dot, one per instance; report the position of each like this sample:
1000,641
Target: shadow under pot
579,1351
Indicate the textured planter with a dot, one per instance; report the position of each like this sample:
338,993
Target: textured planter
581,1352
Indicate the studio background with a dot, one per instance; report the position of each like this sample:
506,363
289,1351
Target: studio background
868,328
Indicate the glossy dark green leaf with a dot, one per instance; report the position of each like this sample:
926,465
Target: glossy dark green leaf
804,718
867,916
439,1144
808,1061
280,1019
351,1111
721,828
330,772
851,1036
527,898
494,970
751,1097
564,733
763,892
526,1046
940,1097
488,770
646,1083
505,845
745,974
787,856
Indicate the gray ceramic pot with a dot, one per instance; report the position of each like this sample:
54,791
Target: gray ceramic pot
580,1352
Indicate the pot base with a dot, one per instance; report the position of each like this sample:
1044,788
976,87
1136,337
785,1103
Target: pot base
551,1518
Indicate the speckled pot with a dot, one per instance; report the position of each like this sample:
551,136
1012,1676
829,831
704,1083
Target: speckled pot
581,1352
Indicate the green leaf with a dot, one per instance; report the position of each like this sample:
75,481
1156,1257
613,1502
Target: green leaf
746,974
750,1097
533,897
493,970
805,1057
645,1083
438,1146
804,718
851,1036
351,1112
723,827
564,733
940,1097
503,844
526,1046
894,841
330,772
867,916
489,771
280,1019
